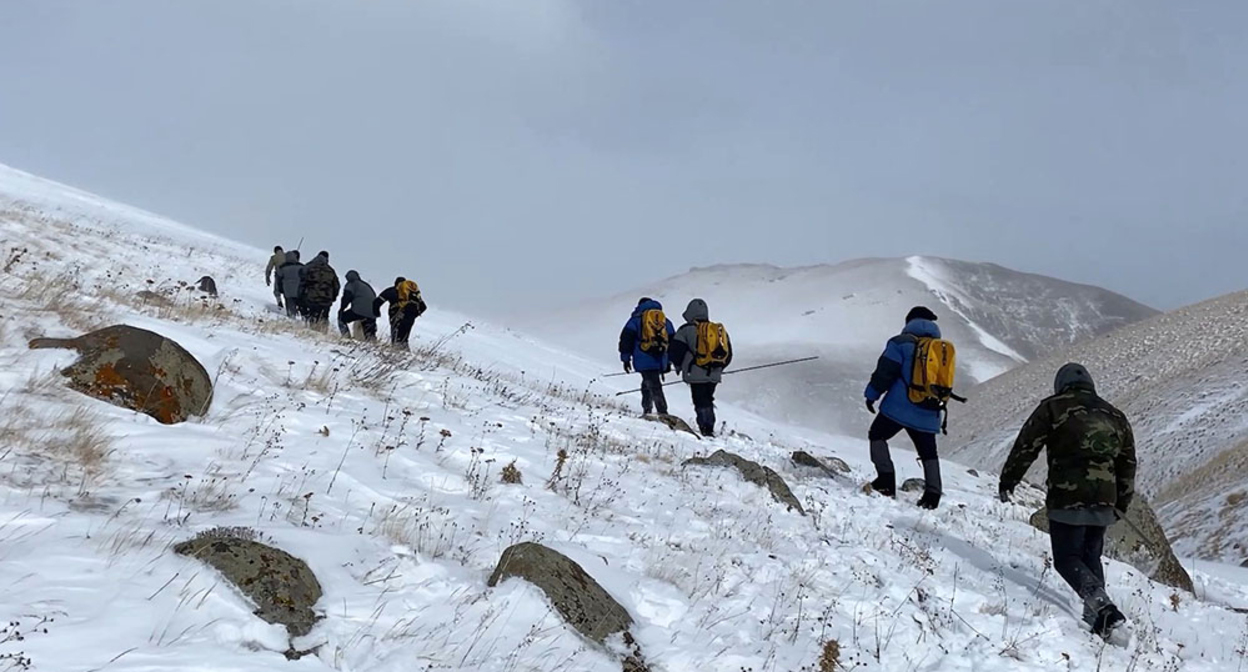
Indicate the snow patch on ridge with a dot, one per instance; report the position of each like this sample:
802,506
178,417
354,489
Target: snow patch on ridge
917,268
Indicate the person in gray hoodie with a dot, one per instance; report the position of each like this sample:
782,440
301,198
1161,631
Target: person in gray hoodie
290,282
683,352
357,306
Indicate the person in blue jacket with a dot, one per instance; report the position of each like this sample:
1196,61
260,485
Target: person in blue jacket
651,365
921,422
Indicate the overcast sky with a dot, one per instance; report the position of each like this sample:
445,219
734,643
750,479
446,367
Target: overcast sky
513,153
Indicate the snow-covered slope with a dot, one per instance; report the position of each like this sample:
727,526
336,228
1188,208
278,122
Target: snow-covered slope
382,471
844,314
1182,378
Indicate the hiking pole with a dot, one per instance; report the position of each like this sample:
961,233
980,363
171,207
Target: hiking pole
617,373
748,368
768,366
300,244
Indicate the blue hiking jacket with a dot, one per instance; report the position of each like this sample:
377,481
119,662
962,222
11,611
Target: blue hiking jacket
630,341
891,380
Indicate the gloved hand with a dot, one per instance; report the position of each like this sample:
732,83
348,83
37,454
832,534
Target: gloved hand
871,406
1004,494
628,367
268,282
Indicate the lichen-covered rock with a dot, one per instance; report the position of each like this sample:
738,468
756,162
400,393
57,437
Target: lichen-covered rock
137,369
754,473
1140,542
582,602
913,485
281,586
830,465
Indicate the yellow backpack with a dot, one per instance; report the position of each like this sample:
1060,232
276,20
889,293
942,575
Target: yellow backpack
409,293
653,332
714,346
931,381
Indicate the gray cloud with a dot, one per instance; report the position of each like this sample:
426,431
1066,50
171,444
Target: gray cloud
507,153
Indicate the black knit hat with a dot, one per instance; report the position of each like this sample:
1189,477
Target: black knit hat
1073,375
920,313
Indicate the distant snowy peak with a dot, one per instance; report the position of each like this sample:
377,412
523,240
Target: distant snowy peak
1024,315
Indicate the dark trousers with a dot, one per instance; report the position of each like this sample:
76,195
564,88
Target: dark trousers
885,428
346,317
704,406
293,307
317,313
401,326
1077,557
652,396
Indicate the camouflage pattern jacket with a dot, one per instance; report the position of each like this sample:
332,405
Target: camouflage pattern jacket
1091,452
320,283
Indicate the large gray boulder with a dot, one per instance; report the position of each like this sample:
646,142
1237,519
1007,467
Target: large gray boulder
753,472
281,586
1140,542
136,369
831,466
579,599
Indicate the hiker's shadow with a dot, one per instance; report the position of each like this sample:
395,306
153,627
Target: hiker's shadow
987,563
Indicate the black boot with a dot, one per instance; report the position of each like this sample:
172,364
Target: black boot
885,484
706,421
930,500
932,486
1107,619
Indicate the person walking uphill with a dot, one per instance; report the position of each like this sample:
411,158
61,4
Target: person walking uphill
275,262
892,380
1091,482
406,305
700,351
643,348
320,288
290,283
357,306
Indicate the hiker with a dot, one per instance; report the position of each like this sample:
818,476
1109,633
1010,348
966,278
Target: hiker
357,306
1091,481
701,350
921,420
406,305
643,348
319,289
275,263
289,283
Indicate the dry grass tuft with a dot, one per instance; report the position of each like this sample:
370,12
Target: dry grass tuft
511,474
831,658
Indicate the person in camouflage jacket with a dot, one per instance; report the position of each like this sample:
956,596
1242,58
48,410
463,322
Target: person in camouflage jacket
319,288
1091,481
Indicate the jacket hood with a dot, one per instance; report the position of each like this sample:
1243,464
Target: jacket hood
1073,376
922,328
318,259
646,305
697,311
292,257
352,276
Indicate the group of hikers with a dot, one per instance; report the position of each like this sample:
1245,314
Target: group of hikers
699,351
308,291
1090,444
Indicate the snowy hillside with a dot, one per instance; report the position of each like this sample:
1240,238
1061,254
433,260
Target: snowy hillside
1182,378
383,473
844,313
